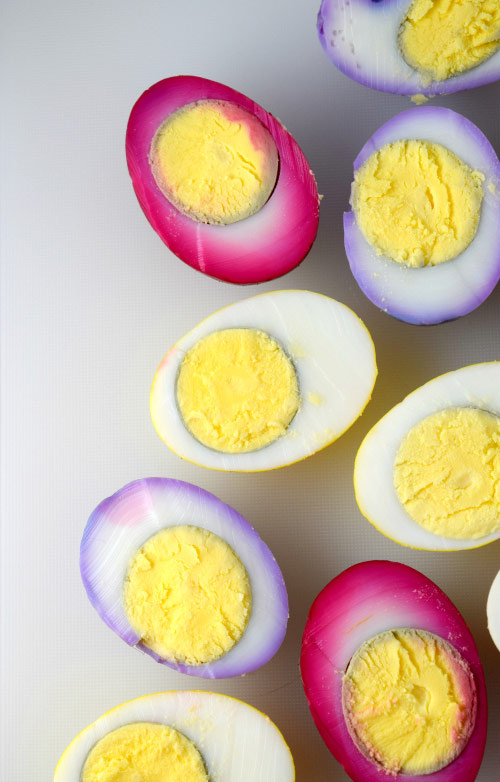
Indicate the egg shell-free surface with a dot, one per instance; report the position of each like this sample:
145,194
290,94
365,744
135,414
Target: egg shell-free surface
363,601
121,524
475,386
237,742
268,244
493,611
361,38
433,294
334,359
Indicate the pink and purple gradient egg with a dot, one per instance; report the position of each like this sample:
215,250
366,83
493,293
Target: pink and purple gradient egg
122,523
432,294
363,601
266,245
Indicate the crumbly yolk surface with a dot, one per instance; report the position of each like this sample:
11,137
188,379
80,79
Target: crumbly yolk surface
237,390
144,752
214,161
447,473
187,595
409,701
417,203
441,38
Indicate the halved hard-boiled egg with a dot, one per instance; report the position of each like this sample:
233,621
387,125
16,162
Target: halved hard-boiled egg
393,678
423,234
427,474
264,382
181,576
493,611
180,737
413,47
221,181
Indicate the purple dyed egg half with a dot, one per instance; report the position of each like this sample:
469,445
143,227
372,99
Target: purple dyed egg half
361,38
432,294
121,524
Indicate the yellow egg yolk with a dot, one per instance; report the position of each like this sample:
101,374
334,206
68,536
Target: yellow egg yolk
144,752
187,595
409,701
214,161
441,38
237,390
447,473
417,203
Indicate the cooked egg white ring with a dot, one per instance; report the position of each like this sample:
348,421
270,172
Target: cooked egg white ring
433,294
333,356
361,38
121,524
237,742
493,611
475,386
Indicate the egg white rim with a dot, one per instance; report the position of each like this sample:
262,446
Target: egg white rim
374,464
493,611
432,294
344,385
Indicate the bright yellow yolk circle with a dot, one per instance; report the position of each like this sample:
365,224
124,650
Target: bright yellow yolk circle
409,701
187,595
214,161
237,390
417,203
447,473
144,752
441,38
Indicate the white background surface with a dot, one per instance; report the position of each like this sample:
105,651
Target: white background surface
91,301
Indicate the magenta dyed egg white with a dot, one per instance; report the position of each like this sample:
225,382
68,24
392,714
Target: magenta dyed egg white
121,524
362,602
432,294
266,245
361,38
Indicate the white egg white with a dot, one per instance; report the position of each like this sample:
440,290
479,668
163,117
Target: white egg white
333,356
472,386
237,742
493,611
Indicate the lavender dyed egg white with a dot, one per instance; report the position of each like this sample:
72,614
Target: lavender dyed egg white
432,294
365,39
263,245
119,529
381,599
232,741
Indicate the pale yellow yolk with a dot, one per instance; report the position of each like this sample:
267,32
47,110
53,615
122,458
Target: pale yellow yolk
417,203
409,701
237,390
447,473
441,38
214,161
144,752
187,595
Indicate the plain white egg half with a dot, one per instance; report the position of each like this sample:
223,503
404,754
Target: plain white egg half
476,386
237,742
334,359
493,611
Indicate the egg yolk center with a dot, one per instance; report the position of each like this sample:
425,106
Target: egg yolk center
447,473
214,161
409,701
187,595
440,38
144,752
417,203
237,390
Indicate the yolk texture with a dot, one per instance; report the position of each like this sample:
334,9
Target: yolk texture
144,752
417,203
237,390
187,595
441,38
214,161
447,473
409,701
